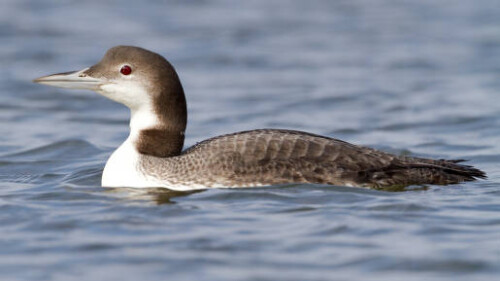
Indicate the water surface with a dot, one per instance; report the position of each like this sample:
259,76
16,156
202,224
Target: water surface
412,77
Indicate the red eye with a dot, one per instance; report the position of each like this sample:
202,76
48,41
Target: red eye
126,70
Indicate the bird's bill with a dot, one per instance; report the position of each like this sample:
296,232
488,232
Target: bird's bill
71,80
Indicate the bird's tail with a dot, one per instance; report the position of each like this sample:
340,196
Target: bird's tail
410,170
448,171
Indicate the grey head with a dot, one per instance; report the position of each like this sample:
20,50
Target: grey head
146,83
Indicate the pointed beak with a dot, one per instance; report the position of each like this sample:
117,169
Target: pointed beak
72,80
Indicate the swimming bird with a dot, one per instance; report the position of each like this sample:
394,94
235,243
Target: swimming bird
153,156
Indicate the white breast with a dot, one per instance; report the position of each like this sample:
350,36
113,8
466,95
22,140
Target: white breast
121,170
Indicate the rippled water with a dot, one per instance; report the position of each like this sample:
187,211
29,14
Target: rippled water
415,77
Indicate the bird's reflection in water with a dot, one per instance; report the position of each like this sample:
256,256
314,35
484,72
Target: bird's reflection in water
163,195
403,188
159,195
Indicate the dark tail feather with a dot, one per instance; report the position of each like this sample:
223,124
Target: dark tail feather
445,171
405,171
454,160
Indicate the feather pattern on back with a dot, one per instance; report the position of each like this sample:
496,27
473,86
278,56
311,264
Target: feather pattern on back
269,156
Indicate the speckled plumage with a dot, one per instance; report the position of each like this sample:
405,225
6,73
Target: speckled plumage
267,157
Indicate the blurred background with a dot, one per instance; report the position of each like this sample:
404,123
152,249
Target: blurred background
412,77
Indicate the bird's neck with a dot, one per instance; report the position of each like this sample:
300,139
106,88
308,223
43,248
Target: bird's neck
158,133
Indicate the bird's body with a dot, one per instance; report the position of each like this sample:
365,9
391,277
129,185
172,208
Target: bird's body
269,156
152,155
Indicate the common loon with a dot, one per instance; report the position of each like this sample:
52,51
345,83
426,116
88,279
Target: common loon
152,154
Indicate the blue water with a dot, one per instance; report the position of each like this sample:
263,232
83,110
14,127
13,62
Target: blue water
413,77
